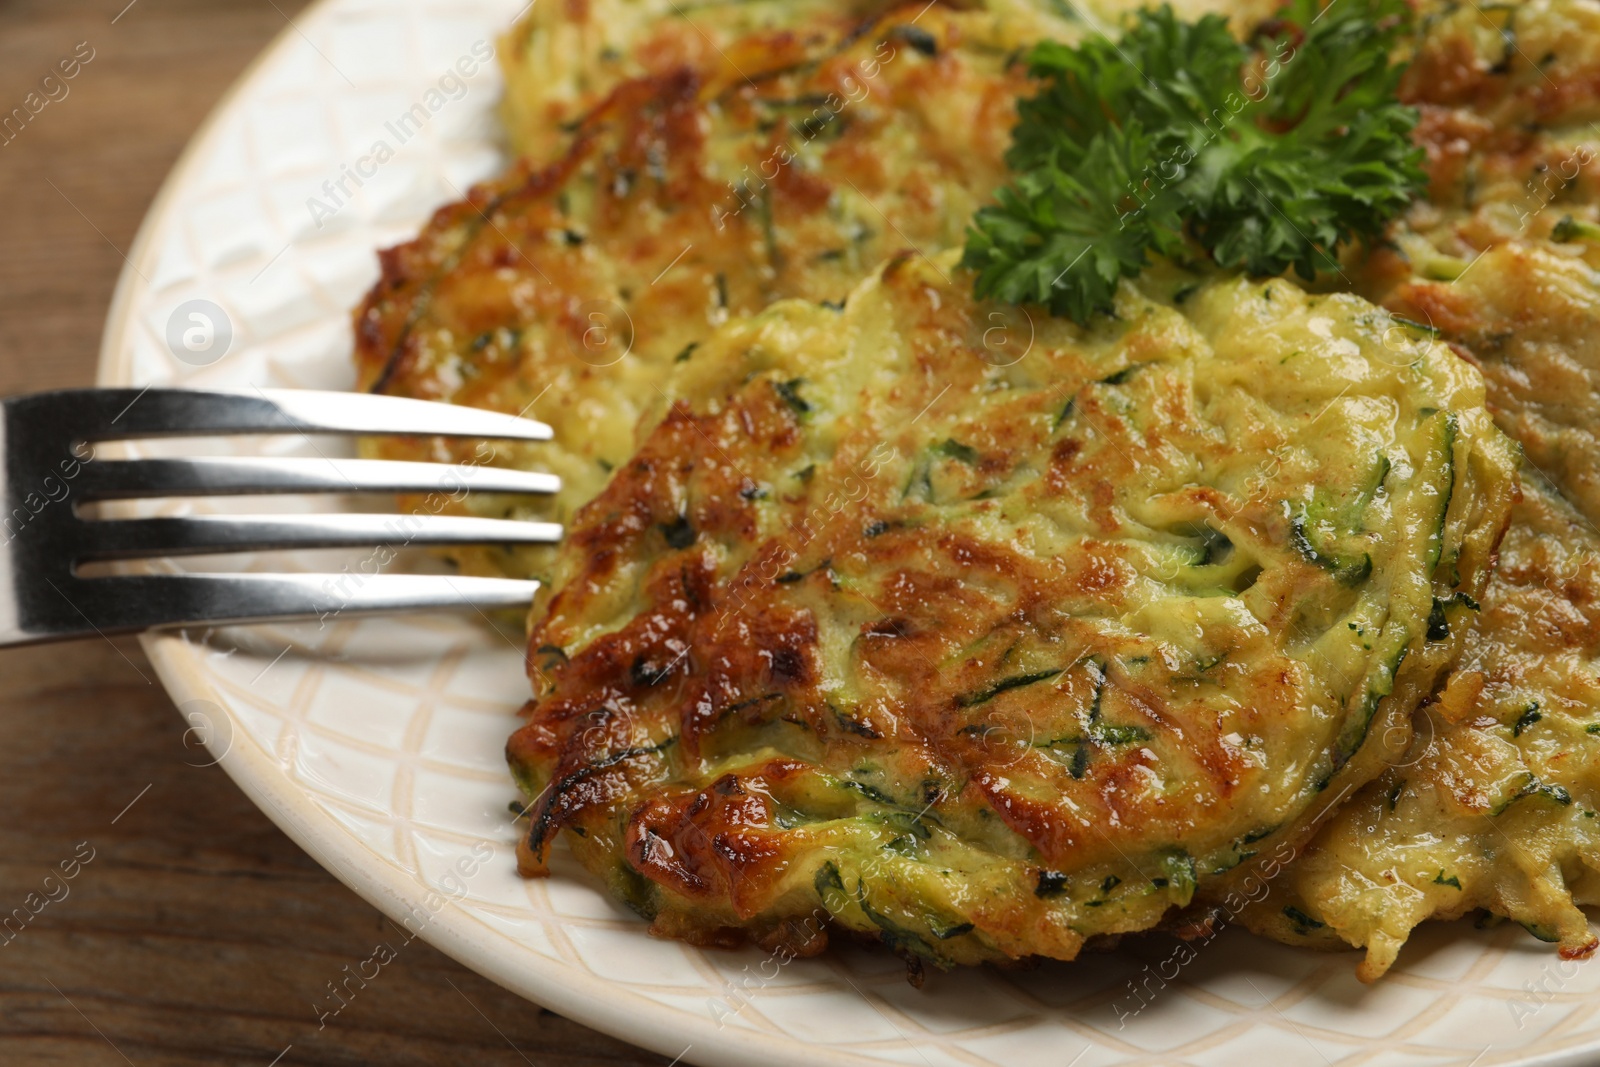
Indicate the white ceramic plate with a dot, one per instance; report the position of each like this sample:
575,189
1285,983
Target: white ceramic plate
377,744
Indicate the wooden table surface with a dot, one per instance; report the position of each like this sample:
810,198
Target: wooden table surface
197,933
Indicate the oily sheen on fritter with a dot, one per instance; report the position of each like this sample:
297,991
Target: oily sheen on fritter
884,629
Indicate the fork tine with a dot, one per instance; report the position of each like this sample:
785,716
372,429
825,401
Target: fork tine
110,414
195,534
111,480
126,603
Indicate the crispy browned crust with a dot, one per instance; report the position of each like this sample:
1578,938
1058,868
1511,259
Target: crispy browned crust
565,290
770,650
655,158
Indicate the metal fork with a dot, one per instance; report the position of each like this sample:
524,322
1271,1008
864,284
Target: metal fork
49,468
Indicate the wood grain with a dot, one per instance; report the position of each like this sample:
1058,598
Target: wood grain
197,933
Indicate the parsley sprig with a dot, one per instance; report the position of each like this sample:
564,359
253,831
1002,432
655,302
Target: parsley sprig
1180,140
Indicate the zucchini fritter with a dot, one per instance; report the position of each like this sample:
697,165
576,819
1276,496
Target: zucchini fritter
1494,805
886,629
1501,259
672,211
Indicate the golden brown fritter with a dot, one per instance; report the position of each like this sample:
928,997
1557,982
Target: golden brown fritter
682,202
1501,257
1494,805
886,629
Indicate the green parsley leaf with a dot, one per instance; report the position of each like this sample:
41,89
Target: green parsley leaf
1178,140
